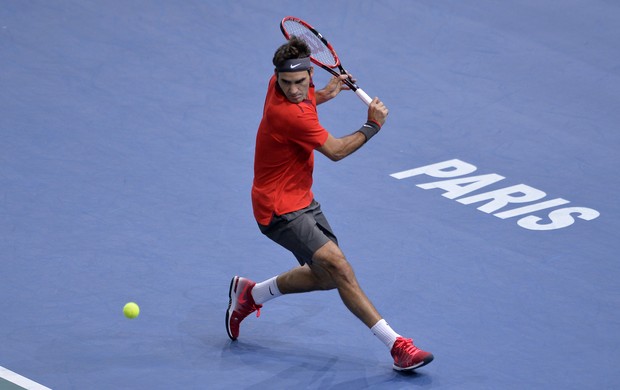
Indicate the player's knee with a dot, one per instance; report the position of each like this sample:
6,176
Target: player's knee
343,272
322,278
339,270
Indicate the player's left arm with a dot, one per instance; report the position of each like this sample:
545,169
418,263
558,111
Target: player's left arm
332,89
338,148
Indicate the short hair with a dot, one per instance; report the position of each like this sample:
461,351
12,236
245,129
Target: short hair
294,48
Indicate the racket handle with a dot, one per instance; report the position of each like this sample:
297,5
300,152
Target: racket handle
363,95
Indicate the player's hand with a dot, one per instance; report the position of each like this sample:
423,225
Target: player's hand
332,89
342,77
377,111
336,84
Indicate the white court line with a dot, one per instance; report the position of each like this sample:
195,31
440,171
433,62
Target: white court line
20,380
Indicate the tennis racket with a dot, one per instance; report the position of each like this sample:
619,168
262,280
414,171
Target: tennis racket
322,52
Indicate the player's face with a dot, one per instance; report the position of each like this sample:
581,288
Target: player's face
295,85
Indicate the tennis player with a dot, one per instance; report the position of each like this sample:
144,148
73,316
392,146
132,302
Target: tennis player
286,210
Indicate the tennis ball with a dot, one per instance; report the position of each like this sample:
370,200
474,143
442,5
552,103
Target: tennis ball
131,310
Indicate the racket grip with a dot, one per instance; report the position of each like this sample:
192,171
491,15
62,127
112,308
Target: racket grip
363,95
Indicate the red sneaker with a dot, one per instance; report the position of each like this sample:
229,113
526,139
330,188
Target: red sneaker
241,304
407,356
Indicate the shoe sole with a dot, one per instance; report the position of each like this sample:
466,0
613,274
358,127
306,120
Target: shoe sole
229,311
421,364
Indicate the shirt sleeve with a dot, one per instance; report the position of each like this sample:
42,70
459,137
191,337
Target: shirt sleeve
307,132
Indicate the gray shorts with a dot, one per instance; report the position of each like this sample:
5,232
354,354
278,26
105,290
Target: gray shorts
302,232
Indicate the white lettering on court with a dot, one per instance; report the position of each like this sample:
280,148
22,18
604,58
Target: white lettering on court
456,184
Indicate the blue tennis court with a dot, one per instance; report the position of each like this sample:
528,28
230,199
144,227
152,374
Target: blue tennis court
481,221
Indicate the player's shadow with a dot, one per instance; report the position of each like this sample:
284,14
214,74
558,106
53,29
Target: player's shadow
299,365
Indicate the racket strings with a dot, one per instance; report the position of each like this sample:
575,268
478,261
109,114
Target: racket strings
319,51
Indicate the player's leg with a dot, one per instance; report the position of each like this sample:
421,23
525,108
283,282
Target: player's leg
246,296
330,262
330,266
303,279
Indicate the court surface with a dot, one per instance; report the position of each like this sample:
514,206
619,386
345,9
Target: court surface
127,133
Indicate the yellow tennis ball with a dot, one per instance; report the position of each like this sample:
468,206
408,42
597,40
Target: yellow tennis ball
131,310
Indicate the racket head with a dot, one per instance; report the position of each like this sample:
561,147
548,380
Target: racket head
322,52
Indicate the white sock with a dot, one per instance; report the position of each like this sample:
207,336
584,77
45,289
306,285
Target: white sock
265,291
385,333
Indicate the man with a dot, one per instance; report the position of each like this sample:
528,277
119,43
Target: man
286,211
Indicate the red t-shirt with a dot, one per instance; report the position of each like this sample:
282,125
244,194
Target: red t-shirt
284,155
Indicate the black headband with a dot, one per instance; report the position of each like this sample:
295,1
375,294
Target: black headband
295,65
